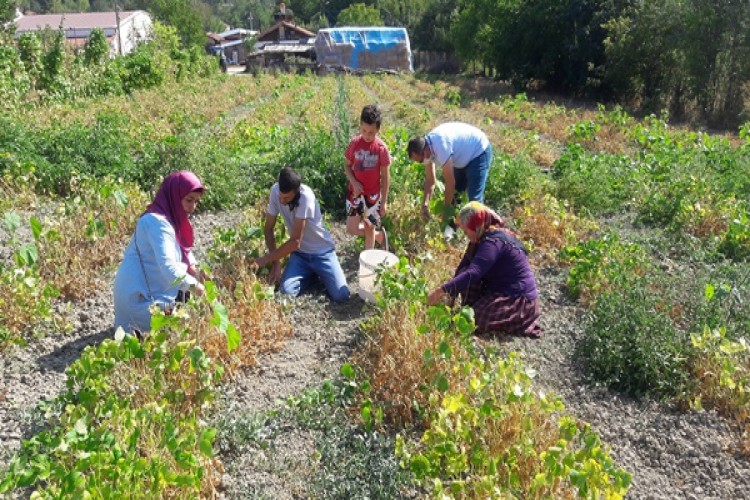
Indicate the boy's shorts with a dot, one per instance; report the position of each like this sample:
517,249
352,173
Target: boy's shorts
365,205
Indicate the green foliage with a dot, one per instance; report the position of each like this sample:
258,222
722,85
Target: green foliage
59,77
470,448
96,50
735,243
128,423
26,299
509,177
682,55
14,80
182,15
722,368
359,14
7,14
604,264
559,41
600,183
30,52
632,346
52,63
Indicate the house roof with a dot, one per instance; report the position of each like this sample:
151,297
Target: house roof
299,29
237,32
215,37
72,21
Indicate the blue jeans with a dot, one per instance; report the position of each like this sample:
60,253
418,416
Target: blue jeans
303,268
473,177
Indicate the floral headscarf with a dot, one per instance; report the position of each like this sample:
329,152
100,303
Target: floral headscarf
168,202
479,218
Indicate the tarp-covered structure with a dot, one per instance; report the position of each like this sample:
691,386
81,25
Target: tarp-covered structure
364,48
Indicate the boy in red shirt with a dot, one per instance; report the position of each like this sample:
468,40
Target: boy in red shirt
367,162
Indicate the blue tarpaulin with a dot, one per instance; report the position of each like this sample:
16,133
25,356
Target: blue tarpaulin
372,48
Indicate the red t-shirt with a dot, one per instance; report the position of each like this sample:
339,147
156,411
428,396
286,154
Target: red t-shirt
367,158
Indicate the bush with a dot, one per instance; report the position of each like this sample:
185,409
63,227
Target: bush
509,177
630,346
599,183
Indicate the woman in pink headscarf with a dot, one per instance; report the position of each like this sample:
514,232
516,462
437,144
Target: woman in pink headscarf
494,276
159,267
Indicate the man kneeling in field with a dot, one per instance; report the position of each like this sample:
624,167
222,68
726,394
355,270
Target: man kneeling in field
310,247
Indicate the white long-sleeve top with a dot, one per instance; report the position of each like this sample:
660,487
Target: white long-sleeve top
162,262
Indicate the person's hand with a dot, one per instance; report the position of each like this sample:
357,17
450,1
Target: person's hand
435,296
204,276
260,262
192,271
199,289
275,275
356,188
383,210
426,212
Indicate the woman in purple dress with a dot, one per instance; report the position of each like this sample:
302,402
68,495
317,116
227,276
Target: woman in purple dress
494,276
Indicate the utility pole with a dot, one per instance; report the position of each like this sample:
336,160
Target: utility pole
119,34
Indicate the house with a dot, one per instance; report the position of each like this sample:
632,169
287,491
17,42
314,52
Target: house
364,48
232,42
123,29
283,40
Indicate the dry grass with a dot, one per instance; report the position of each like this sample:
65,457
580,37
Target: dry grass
162,110
86,238
547,225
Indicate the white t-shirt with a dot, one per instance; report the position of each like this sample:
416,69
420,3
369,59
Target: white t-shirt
315,239
461,141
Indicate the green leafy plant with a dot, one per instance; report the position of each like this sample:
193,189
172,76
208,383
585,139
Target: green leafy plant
631,346
603,264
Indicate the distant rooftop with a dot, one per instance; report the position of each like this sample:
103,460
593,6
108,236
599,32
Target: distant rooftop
237,31
71,21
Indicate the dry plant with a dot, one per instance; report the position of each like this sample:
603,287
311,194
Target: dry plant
722,375
548,225
393,356
16,192
87,238
261,321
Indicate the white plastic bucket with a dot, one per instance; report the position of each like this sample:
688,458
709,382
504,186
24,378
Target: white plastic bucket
369,261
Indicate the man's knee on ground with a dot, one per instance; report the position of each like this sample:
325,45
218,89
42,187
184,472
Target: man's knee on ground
290,287
340,295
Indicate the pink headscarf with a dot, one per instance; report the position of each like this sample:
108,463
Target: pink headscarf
168,202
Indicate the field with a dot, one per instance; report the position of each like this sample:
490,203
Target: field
640,238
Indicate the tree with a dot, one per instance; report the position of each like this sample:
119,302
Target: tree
184,15
96,50
557,41
433,31
359,14
7,14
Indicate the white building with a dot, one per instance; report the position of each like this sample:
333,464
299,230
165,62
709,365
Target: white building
123,29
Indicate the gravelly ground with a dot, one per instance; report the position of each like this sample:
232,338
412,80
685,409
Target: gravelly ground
672,454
